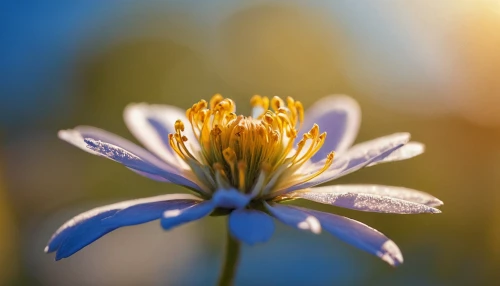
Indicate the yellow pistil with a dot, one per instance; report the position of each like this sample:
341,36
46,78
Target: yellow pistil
252,154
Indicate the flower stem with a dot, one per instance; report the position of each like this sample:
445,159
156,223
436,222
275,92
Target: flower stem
230,261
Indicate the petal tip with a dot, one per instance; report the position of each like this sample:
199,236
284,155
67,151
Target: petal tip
131,107
435,211
392,255
419,146
406,136
436,203
342,99
66,134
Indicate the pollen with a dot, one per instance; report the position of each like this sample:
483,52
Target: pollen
253,154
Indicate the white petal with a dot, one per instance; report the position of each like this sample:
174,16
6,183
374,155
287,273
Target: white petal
365,153
75,138
365,202
410,150
357,157
151,124
384,191
340,117
77,135
102,143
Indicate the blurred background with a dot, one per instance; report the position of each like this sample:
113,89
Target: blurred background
427,67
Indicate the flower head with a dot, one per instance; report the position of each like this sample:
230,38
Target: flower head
255,155
244,167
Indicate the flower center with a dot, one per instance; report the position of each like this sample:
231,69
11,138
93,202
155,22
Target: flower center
253,154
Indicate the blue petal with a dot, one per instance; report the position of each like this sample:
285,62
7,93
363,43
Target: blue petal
339,117
359,235
230,199
111,146
363,154
121,156
74,238
85,228
176,217
359,156
251,226
151,124
151,176
294,217
410,150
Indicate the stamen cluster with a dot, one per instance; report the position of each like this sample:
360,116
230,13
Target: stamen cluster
253,154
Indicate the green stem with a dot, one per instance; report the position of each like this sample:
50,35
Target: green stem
230,261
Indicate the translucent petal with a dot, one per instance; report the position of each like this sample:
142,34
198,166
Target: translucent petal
340,117
357,157
359,235
294,217
85,228
251,226
151,124
151,176
108,137
410,150
366,202
384,191
175,217
122,156
126,153
372,151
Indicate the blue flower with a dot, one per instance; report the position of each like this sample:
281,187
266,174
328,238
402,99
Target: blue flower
245,167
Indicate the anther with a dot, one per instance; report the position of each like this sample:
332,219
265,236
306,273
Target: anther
276,103
179,125
216,99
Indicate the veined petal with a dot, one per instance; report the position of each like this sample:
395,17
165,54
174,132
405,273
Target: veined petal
251,226
87,227
363,154
175,217
122,156
151,124
359,235
294,217
340,117
102,143
383,191
357,157
365,202
410,150
75,136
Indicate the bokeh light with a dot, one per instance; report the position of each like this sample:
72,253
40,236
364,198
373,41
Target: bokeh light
429,68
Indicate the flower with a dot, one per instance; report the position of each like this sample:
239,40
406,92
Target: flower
246,167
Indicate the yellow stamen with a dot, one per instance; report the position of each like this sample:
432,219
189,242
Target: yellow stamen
242,168
253,155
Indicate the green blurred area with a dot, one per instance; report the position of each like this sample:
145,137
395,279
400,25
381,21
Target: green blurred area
286,50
